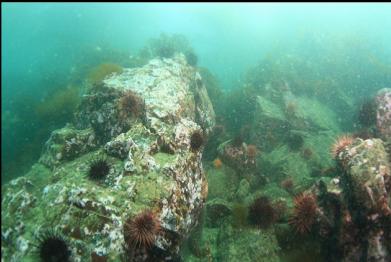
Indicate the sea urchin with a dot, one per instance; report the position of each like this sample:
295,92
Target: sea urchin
251,151
98,169
142,230
304,214
130,104
53,247
340,144
196,140
262,213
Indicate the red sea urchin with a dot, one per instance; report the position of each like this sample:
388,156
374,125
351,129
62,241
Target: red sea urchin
142,230
130,104
304,214
340,144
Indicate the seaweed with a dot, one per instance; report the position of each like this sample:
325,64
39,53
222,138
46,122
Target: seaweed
101,71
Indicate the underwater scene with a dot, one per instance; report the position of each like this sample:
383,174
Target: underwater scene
196,132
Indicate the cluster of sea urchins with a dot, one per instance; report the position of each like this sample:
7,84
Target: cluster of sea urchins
141,231
304,213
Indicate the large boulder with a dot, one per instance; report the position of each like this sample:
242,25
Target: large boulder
357,206
154,165
367,175
293,135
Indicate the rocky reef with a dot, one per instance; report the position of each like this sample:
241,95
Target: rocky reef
295,183
125,181
101,179
356,206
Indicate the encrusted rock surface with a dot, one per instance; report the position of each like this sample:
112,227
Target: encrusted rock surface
367,172
66,144
151,167
383,101
357,206
236,157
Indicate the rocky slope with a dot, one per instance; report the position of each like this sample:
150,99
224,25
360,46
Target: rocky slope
147,125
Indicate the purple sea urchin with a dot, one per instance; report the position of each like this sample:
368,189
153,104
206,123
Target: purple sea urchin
53,247
98,169
196,140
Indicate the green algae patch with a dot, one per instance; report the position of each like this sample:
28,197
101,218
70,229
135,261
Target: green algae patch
283,165
247,244
321,144
164,158
274,191
221,182
151,188
318,114
270,109
295,166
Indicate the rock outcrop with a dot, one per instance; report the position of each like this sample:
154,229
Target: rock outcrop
152,167
357,205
